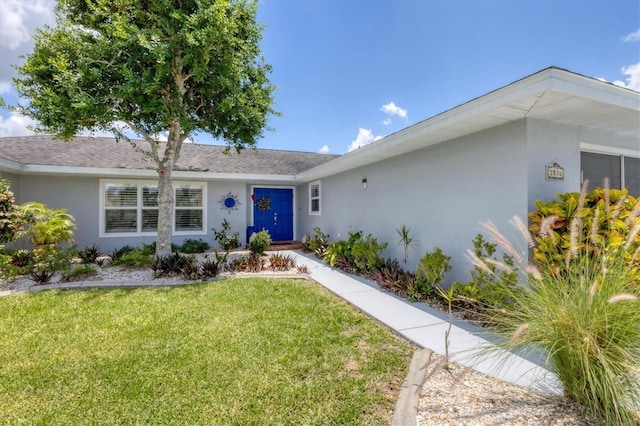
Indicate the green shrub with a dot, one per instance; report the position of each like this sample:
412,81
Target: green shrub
149,249
117,254
317,243
78,273
367,253
492,282
431,270
605,219
226,240
22,258
259,242
11,216
191,246
48,261
135,258
584,313
7,269
338,251
47,226
357,254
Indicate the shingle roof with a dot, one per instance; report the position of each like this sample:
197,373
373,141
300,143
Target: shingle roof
107,153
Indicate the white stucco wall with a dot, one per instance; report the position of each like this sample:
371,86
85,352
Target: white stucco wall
442,193
80,196
549,142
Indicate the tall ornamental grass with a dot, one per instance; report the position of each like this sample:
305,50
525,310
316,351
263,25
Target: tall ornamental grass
584,314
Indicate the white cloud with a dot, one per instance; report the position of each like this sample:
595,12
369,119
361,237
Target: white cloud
386,121
17,19
15,125
633,77
5,87
634,36
18,22
365,137
392,109
324,150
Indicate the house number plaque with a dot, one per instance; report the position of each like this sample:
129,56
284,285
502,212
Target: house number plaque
554,171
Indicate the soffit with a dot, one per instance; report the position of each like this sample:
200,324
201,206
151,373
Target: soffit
571,110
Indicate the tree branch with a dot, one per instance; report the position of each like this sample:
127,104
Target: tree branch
147,137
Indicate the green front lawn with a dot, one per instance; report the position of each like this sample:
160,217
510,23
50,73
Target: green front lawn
241,351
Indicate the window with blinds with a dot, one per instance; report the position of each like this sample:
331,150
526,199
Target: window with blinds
121,213
314,197
188,208
622,171
131,208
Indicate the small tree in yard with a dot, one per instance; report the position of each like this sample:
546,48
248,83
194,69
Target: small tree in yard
11,217
173,66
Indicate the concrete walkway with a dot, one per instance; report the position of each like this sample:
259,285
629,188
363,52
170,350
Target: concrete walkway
425,326
416,322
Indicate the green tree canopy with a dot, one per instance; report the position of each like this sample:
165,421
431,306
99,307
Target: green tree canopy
172,66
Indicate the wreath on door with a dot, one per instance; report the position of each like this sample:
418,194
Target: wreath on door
264,204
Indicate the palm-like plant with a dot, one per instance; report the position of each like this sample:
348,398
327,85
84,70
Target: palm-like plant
48,226
407,241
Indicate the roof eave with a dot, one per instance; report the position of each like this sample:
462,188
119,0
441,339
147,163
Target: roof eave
424,133
10,166
121,173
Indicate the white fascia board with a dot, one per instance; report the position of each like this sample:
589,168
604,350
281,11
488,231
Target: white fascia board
10,166
36,169
251,177
148,173
593,89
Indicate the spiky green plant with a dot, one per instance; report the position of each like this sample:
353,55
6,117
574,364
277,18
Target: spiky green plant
585,316
407,241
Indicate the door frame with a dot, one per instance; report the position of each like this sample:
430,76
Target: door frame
293,204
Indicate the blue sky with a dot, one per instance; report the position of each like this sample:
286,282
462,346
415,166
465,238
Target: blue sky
351,71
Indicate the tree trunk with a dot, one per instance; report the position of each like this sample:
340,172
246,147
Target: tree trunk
165,211
165,189
165,165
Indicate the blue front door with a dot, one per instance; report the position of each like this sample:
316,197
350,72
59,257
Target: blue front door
273,211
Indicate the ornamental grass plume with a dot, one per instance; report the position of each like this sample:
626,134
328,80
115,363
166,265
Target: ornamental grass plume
584,315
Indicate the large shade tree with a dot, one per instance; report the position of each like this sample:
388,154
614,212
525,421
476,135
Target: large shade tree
155,67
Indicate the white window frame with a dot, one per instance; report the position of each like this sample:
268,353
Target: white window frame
621,153
312,198
139,207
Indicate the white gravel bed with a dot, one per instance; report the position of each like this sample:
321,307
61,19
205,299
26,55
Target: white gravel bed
462,396
131,275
